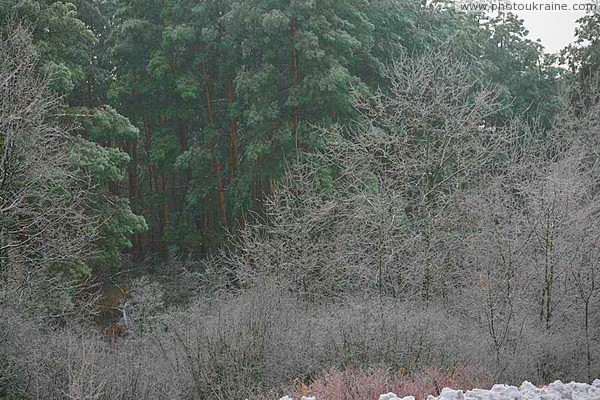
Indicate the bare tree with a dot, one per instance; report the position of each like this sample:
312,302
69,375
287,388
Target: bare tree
377,206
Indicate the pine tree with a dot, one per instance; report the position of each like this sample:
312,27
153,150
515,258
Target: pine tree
66,48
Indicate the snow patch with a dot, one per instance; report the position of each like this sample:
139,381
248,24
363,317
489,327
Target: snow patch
527,391
392,396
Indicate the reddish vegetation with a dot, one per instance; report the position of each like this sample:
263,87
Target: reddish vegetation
366,384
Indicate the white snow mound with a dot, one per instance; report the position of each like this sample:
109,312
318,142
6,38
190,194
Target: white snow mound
392,396
527,391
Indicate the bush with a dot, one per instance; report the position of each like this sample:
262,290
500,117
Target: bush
259,342
370,383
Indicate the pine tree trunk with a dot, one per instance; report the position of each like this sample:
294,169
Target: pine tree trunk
294,121
164,222
273,188
151,167
134,192
185,176
218,166
221,191
206,216
210,118
233,156
114,188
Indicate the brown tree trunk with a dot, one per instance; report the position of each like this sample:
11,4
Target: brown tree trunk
185,176
273,188
113,188
257,195
151,171
233,156
164,222
183,147
173,66
206,214
294,121
152,244
210,118
221,189
134,191
218,166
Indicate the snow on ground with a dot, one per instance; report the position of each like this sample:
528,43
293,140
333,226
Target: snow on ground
527,391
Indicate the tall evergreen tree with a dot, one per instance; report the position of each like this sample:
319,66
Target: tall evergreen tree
65,45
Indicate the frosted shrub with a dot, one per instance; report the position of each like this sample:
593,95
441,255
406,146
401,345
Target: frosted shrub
145,305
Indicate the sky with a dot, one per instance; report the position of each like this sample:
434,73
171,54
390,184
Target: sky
555,29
